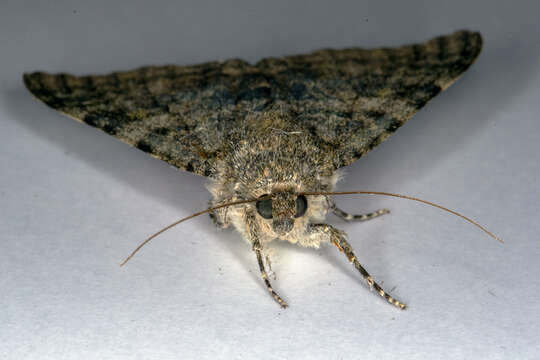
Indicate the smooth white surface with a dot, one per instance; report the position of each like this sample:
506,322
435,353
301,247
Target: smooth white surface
75,201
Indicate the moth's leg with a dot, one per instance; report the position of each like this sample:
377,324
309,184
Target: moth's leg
257,248
219,217
253,233
338,238
269,265
349,217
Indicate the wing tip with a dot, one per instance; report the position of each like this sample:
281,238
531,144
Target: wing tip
470,40
34,82
45,87
475,40
28,80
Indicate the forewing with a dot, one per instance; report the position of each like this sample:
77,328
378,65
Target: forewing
353,99
180,114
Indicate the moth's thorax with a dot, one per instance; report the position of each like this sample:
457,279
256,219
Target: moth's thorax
276,159
270,152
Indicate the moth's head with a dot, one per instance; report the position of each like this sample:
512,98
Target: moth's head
280,209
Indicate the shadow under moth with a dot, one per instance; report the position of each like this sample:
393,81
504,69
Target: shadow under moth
270,137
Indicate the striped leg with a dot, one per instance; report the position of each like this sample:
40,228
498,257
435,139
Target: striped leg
337,237
219,216
254,236
363,217
257,249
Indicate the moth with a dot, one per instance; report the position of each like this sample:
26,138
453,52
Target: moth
271,137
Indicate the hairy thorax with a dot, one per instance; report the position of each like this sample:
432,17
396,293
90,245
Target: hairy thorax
278,161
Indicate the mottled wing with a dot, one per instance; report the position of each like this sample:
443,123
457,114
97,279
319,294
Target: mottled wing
348,100
180,114
353,99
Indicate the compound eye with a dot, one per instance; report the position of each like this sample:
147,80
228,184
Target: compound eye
301,206
264,207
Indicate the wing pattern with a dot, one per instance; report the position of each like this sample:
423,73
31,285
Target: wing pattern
348,100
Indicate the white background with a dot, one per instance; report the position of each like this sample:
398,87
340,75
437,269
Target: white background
74,201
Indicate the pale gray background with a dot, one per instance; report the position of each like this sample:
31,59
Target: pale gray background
75,201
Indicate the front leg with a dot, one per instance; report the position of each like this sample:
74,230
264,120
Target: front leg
338,238
254,238
219,216
279,300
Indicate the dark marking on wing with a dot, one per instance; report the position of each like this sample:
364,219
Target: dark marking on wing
144,146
